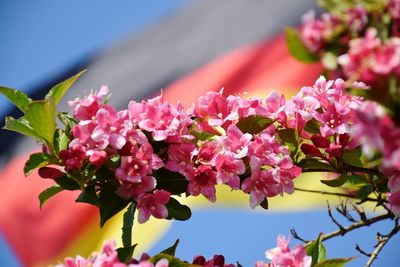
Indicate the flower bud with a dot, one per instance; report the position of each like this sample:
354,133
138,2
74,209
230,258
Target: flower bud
320,141
50,173
311,150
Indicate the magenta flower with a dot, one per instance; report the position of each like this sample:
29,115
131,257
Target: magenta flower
164,121
236,142
214,108
87,108
316,32
228,169
203,181
153,204
282,255
180,158
138,188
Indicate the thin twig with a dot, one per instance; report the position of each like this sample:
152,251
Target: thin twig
353,226
382,241
296,236
332,194
341,228
359,249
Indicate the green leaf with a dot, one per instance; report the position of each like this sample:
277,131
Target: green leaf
364,191
17,97
172,249
40,116
172,261
339,262
353,157
254,124
61,140
264,204
67,183
66,119
312,127
48,193
356,179
110,203
57,92
289,137
314,165
173,182
338,181
317,251
200,135
129,216
125,254
37,160
297,48
178,211
88,195
21,126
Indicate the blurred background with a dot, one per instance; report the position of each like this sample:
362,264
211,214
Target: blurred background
137,48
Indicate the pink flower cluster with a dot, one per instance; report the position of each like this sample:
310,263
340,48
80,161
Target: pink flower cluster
282,255
205,144
316,33
108,257
369,58
376,131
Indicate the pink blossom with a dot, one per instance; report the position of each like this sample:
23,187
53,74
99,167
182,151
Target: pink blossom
282,255
236,142
394,202
357,18
316,32
137,188
153,204
180,158
214,109
207,152
108,257
110,128
228,169
164,121
203,181
87,108
141,163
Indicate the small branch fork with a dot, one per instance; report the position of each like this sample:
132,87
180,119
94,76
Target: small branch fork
363,221
382,241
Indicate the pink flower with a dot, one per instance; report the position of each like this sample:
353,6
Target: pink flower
137,188
164,121
207,152
180,158
153,204
316,32
394,202
228,169
111,128
203,182
283,256
140,164
357,18
86,109
214,108
236,142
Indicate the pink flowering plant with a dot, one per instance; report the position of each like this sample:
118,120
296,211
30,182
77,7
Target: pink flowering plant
143,159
